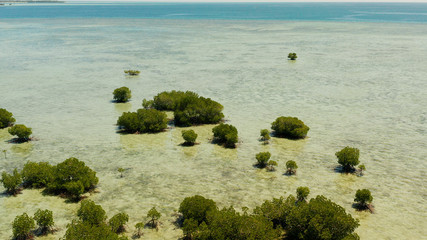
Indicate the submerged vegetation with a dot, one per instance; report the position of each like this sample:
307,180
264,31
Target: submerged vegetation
289,127
143,121
6,118
189,108
225,134
122,94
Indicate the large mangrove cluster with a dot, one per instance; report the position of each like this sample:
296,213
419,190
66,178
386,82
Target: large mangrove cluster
189,108
71,178
280,218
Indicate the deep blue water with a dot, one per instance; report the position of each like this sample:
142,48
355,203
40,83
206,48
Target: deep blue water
359,12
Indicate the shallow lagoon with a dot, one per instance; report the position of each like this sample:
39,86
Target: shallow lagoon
357,84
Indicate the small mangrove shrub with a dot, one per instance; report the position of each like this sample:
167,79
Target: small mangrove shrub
271,166
302,193
363,198
348,157
154,217
265,135
22,226
44,219
189,137
292,56
11,181
289,127
143,121
21,131
37,175
122,94
361,168
225,134
6,118
262,159
291,167
118,221
132,72
121,171
139,226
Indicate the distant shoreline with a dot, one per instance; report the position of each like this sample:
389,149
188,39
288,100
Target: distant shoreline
29,1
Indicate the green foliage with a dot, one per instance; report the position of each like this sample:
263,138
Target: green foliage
189,136
265,135
292,56
348,157
229,224
6,118
291,167
190,228
121,171
196,207
11,181
276,210
319,219
37,175
71,176
44,219
91,213
21,131
289,127
79,230
225,134
139,226
143,121
22,226
262,159
132,72
271,165
122,94
118,221
189,108
302,193
154,215
363,197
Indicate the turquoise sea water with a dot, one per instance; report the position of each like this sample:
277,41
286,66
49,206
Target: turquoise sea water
360,84
364,12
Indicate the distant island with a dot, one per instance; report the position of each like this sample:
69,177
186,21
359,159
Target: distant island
30,1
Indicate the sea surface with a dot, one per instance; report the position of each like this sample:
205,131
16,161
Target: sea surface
360,81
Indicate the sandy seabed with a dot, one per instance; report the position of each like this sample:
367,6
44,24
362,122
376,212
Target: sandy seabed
356,84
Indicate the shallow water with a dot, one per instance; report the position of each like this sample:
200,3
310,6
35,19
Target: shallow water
357,84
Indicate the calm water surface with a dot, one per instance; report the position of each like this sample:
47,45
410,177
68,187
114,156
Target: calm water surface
357,84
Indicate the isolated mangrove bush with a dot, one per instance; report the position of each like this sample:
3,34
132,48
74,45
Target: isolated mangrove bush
292,56
189,137
143,121
289,127
302,193
21,131
262,159
363,198
265,135
154,217
132,72
122,94
6,118
348,157
291,167
225,134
